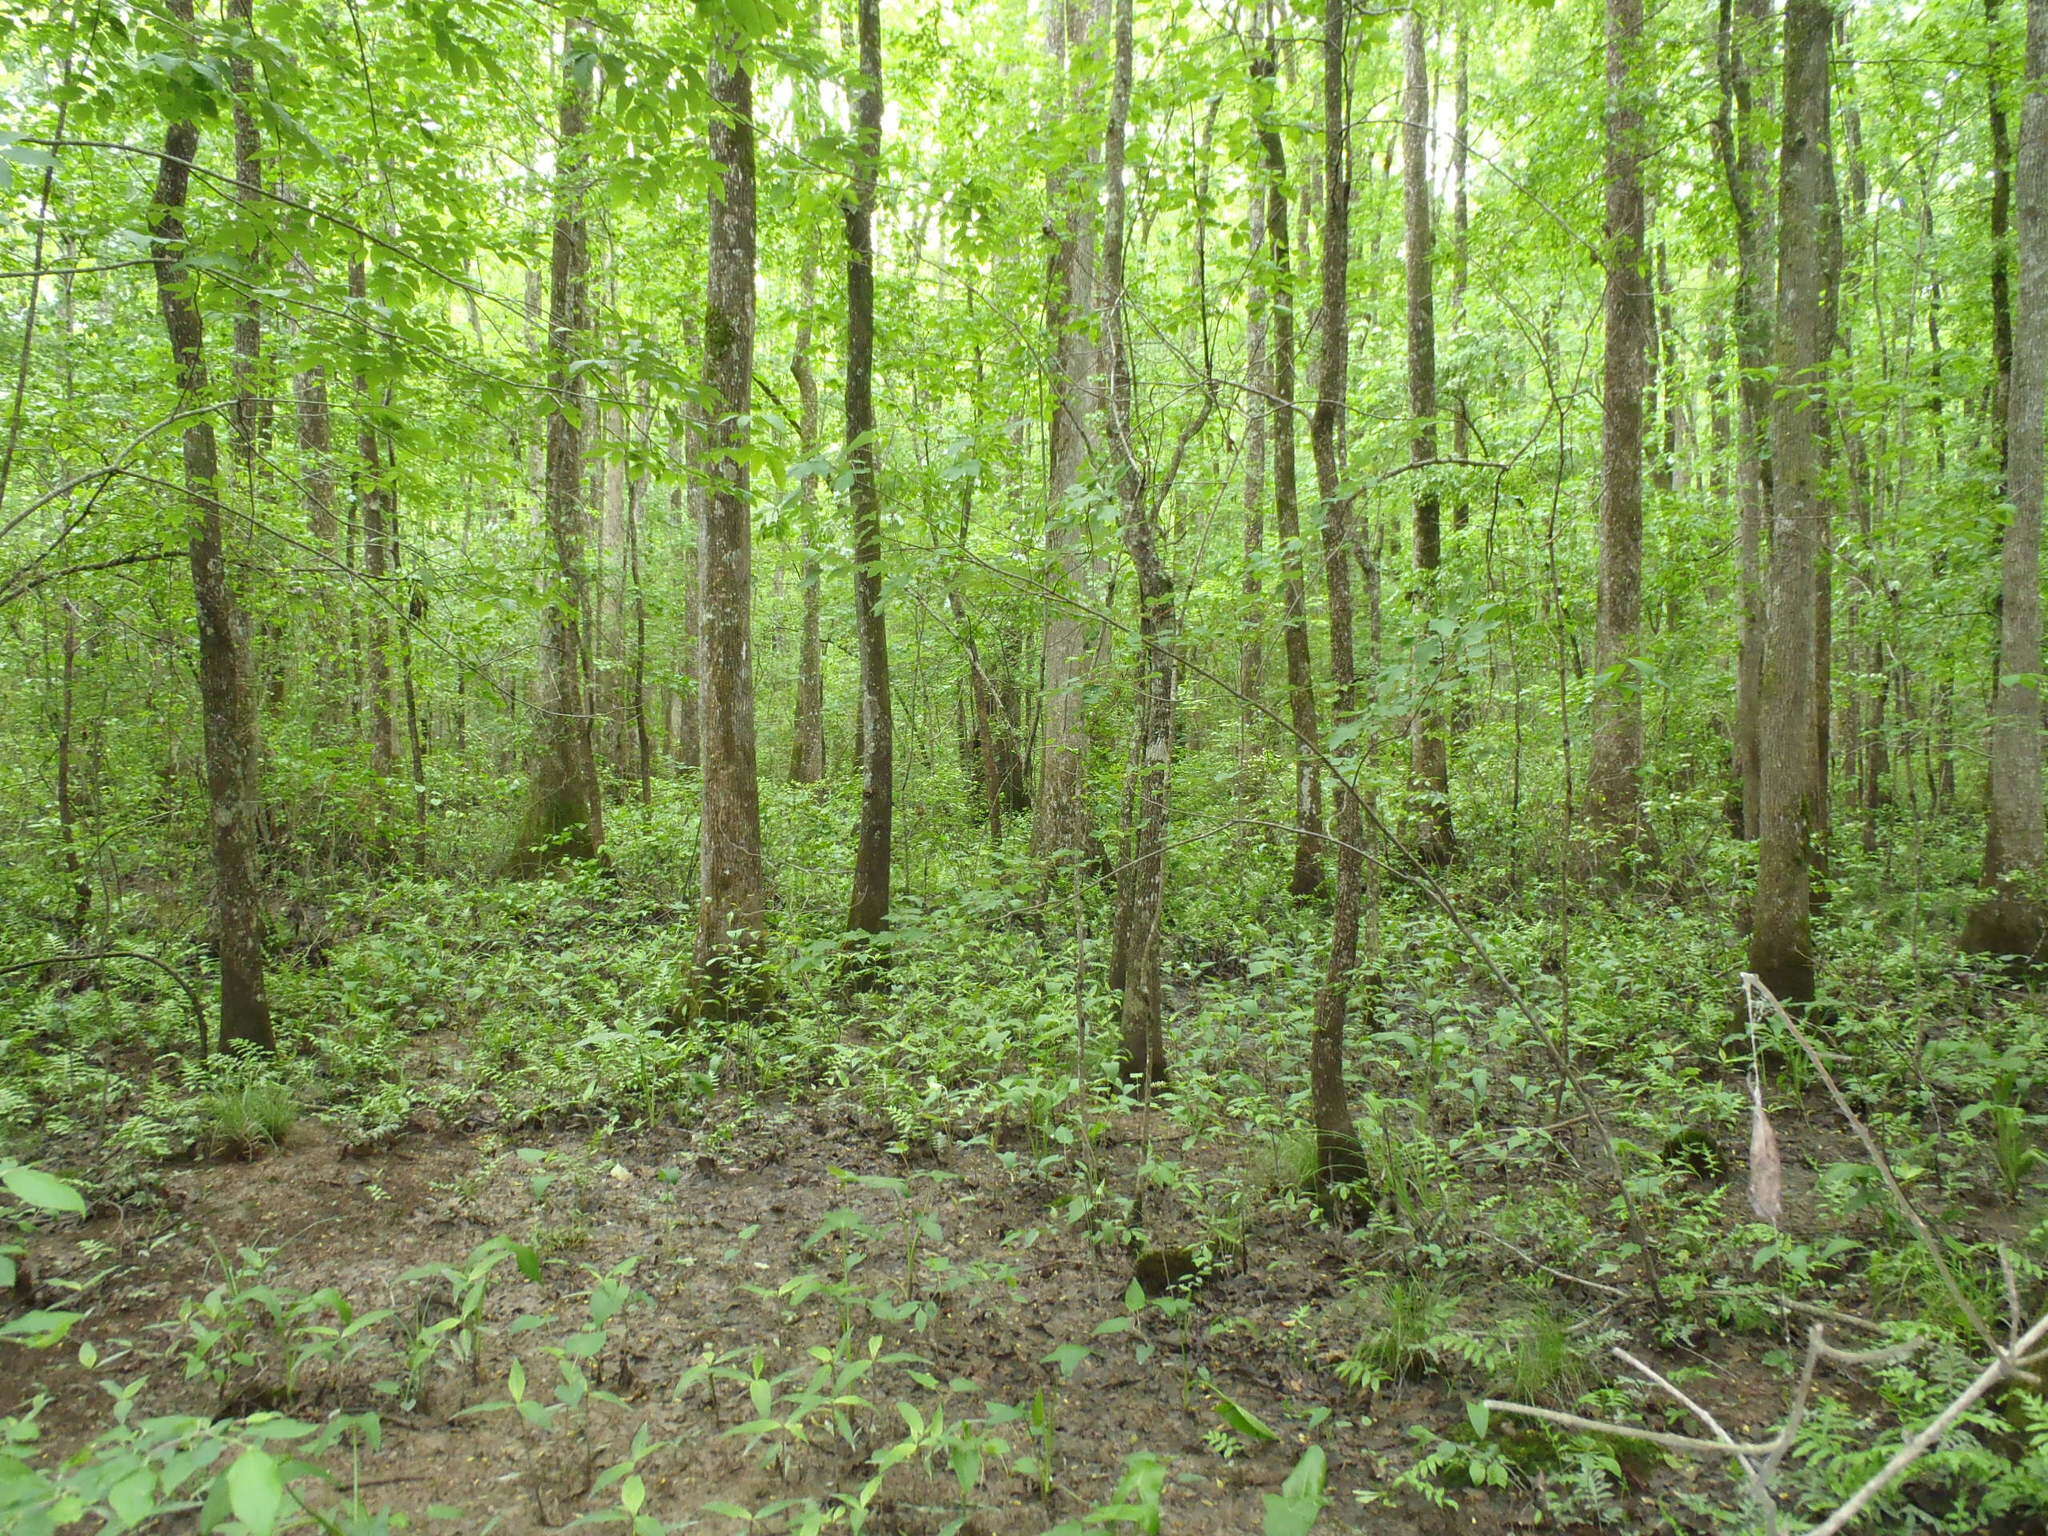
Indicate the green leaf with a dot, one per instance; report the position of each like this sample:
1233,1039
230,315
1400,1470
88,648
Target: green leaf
1067,1357
1242,1419
256,1491
1478,1414
46,1193
40,1329
1294,1510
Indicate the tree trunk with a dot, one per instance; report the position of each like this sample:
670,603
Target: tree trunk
807,745
565,809
1461,242
1614,778
1781,941
373,510
2001,228
690,501
636,662
986,711
67,795
1307,877
2013,917
732,911
411,601
1744,47
232,748
1435,842
250,412
1063,826
315,433
1258,374
1339,1159
610,703
1143,1048
869,908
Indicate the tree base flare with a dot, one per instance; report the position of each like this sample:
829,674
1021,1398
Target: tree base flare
2009,925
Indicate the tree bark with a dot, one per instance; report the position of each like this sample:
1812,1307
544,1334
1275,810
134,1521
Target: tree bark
1781,940
1461,267
1307,876
1339,1159
2012,919
314,423
565,809
1614,778
807,745
1062,825
232,746
732,911
611,700
1258,373
987,710
2001,229
374,513
1143,1048
868,911
1434,840
1744,48
250,413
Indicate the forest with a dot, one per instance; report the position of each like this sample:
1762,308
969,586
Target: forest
1023,767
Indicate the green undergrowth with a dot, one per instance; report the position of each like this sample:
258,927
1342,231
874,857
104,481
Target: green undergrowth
1556,1129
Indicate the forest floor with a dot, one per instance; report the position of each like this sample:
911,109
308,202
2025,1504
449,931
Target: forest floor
529,1256
710,1225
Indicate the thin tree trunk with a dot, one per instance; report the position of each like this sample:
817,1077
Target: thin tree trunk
636,676
1865,755
1744,50
1339,1159
1781,939
249,412
732,912
67,796
1143,1047
2013,917
412,606
1434,840
373,506
1062,826
869,908
807,747
1614,777
690,499
1461,263
1307,878
1251,655
2001,229
986,709
608,671
565,808
232,748
315,433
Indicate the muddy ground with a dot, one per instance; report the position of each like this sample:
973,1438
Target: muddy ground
717,1216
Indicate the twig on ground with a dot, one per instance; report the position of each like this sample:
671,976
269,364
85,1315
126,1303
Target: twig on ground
2003,1367
1760,1460
1534,1263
